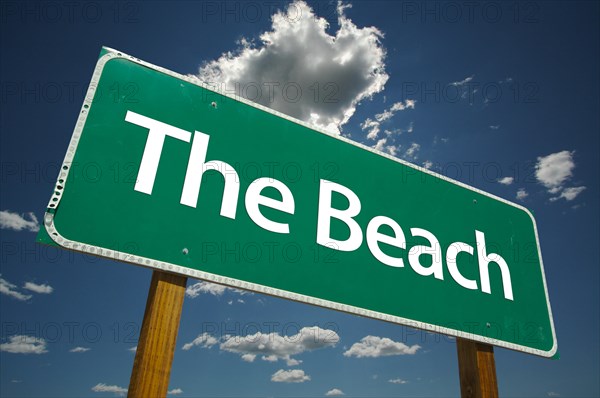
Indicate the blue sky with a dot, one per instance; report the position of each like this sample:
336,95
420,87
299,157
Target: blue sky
503,96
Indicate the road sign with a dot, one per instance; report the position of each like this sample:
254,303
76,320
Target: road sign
164,172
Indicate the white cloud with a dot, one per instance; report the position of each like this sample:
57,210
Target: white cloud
272,347
463,81
553,394
398,106
197,289
204,340
17,222
522,194
392,150
333,71
10,290
292,362
101,387
411,152
380,146
554,170
41,289
495,127
385,115
21,344
374,347
214,289
569,193
428,164
290,376
80,349
397,381
248,357
335,392
506,180
372,126
175,391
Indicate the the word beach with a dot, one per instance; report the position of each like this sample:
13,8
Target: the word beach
253,199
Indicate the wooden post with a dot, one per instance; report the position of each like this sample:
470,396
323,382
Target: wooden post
156,347
477,369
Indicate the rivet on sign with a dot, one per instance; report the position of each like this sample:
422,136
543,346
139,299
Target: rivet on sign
488,325
475,201
185,251
213,104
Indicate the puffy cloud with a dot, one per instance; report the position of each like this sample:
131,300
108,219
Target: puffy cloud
569,193
506,180
428,164
522,194
290,376
21,344
292,362
392,150
101,387
11,290
374,347
303,71
204,340
495,127
397,381
175,391
214,289
554,170
411,152
248,357
273,347
335,392
270,347
17,222
380,146
79,349
41,289
372,126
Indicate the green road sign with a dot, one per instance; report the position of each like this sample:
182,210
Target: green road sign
164,172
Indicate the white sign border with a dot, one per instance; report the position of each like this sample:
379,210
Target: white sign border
168,267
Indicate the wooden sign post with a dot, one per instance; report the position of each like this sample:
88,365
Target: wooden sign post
477,369
156,347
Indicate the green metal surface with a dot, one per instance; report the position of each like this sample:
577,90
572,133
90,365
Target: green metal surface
100,207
